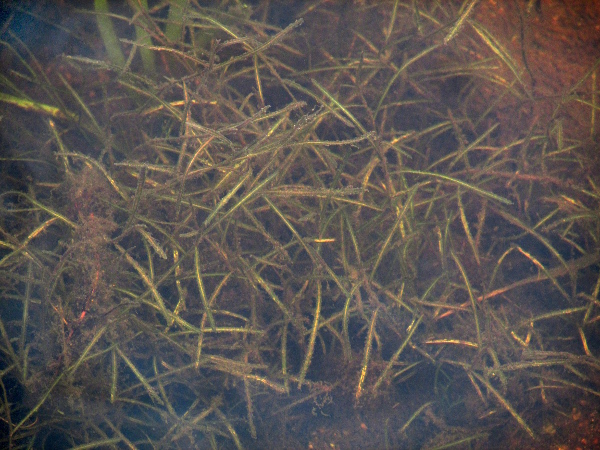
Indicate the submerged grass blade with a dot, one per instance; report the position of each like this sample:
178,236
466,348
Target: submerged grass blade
460,183
226,199
72,369
108,33
207,310
144,39
149,389
38,405
36,107
400,72
366,356
414,415
411,331
498,49
148,282
471,296
503,402
312,339
466,11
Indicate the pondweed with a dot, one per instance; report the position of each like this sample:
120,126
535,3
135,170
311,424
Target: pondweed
221,227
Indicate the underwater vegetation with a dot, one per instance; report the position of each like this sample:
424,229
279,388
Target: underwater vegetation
227,226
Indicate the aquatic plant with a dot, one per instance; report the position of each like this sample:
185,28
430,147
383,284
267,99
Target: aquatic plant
205,243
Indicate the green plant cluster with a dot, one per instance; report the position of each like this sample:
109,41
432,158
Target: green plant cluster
230,222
